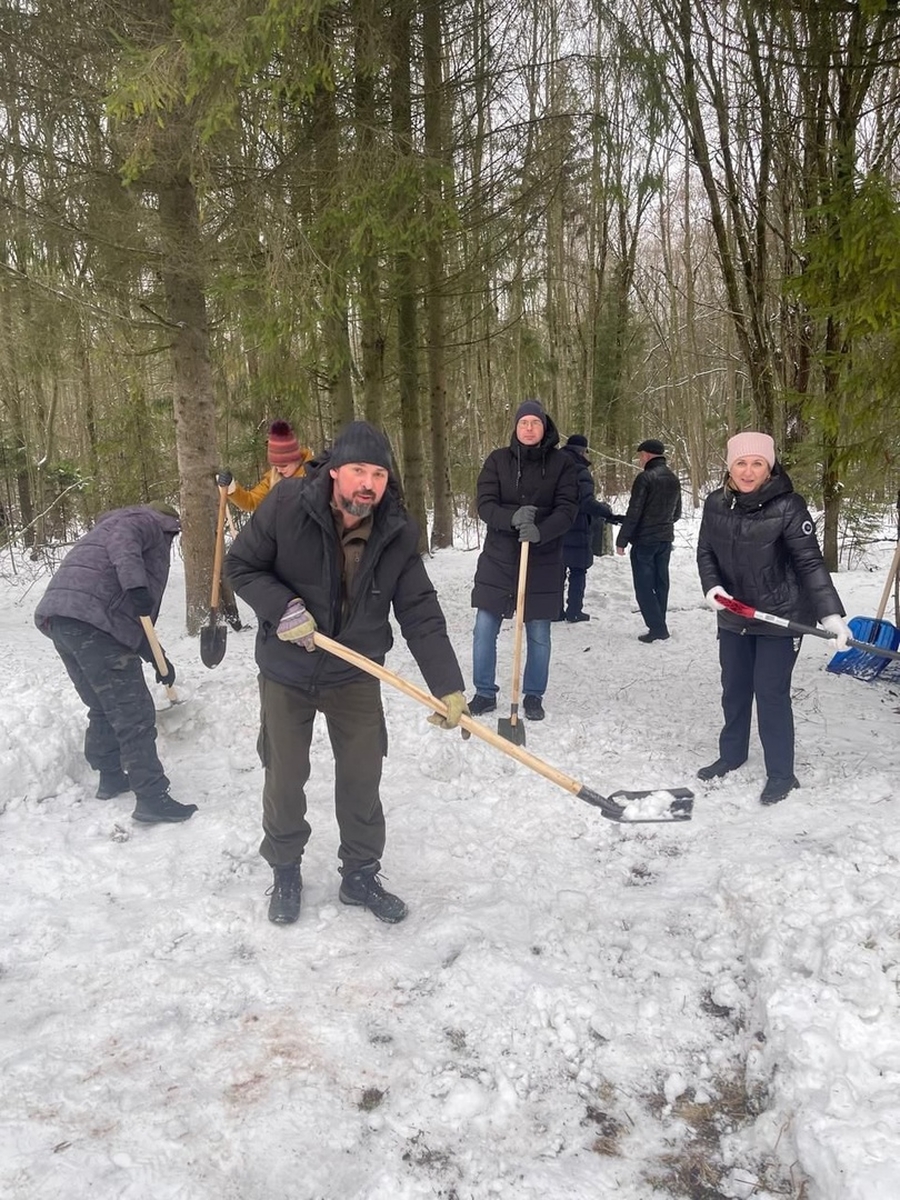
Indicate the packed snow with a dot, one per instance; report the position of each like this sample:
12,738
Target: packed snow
574,1008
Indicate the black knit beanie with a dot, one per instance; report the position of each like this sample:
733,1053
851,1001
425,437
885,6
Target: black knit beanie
361,442
531,408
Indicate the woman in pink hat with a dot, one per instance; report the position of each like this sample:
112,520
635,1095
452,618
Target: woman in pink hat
758,543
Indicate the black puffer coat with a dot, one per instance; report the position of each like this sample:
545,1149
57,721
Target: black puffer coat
290,548
654,506
512,476
577,544
127,548
761,547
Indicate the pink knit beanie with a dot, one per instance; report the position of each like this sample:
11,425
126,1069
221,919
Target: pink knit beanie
750,445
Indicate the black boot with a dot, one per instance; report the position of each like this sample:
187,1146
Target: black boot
363,888
479,705
112,783
718,768
284,906
776,789
162,809
534,710
574,618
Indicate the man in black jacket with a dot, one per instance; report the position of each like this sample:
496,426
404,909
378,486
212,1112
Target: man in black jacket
649,525
114,575
334,551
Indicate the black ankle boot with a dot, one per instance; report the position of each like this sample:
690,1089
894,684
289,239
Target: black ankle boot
285,892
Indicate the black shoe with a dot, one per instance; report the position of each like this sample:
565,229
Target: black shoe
162,809
363,888
534,710
573,618
479,705
776,789
720,767
653,637
112,783
284,907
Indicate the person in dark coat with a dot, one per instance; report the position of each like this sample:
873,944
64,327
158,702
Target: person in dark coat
527,491
649,525
757,542
578,553
113,576
335,551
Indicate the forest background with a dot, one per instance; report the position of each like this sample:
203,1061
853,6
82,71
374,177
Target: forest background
667,218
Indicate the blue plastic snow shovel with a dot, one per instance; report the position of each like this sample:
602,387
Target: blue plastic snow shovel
863,664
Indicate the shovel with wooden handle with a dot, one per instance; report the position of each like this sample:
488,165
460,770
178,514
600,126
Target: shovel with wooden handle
511,727
646,807
159,658
213,635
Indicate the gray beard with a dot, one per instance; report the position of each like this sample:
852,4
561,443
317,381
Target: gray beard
356,508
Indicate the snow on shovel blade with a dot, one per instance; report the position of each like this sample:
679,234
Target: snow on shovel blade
643,808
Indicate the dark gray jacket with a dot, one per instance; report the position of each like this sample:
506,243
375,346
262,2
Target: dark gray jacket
127,548
654,507
290,548
761,547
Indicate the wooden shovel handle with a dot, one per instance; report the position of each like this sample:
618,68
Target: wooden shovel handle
158,657
517,637
889,583
220,548
434,705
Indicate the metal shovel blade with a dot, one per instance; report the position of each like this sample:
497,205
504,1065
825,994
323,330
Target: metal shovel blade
512,729
212,642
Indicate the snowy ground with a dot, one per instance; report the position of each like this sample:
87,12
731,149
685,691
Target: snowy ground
573,1009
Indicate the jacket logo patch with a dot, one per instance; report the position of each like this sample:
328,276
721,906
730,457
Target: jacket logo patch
807,527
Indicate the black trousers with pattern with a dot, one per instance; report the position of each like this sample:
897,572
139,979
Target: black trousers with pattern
355,722
109,678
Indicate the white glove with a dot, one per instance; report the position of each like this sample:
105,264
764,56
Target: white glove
711,598
838,626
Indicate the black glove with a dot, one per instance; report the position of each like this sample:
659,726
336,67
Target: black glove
615,519
169,678
524,516
606,513
224,477
142,601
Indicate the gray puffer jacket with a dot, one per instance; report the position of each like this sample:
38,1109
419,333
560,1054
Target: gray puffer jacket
761,547
127,548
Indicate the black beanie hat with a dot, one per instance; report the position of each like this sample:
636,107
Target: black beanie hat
361,442
578,440
531,408
167,510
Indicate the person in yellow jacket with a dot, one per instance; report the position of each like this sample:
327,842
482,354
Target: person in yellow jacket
286,458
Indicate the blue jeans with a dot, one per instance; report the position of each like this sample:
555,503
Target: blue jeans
650,571
484,655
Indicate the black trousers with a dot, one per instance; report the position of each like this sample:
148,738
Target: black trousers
355,721
650,572
109,678
760,668
577,581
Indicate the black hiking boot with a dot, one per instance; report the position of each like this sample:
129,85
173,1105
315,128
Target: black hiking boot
776,789
284,906
718,768
534,710
574,618
649,636
479,705
162,809
363,888
112,783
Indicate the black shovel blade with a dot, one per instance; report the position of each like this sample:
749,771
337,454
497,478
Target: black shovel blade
512,730
661,805
212,642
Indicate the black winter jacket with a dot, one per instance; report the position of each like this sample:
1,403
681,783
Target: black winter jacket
127,548
761,547
577,544
512,476
654,506
290,548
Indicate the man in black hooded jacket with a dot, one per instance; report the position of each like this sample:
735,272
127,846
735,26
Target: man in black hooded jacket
335,551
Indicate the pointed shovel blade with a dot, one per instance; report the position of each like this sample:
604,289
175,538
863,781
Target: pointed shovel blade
212,642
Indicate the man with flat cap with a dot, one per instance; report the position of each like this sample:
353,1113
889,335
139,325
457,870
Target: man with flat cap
649,526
